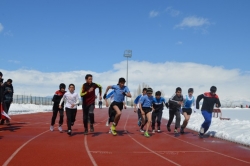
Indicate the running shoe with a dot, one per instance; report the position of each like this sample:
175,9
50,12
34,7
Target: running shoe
141,130
91,128
175,131
113,130
182,130
60,128
153,131
139,122
158,131
51,128
109,131
107,123
69,132
146,134
169,129
85,132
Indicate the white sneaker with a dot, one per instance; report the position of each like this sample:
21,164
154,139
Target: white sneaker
158,131
60,128
153,131
142,131
109,131
107,123
51,128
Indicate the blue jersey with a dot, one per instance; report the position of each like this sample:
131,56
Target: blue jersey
137,99
118,96
188,101
146,101
158,104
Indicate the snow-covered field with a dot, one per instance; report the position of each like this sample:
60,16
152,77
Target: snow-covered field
237,129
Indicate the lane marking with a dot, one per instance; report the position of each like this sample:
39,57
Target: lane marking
87,148
209,149
88,152
15,153
147,147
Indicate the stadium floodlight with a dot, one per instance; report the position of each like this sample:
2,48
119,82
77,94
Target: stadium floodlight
127,54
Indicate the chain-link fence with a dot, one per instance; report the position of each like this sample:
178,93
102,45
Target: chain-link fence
23,99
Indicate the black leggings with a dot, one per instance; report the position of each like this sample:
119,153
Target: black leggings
177,115
88,111
158,115
71,116
55,112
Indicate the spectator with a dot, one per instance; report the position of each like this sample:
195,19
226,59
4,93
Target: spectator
100,104
7,98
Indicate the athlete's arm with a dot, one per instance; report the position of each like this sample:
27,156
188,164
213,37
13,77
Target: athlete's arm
124,105
199,98
136,101
62,99
100,91
218,102
82,92
105,94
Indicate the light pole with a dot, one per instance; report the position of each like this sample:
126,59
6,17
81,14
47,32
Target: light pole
127,54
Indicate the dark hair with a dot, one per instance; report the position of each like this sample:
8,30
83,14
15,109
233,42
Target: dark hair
178,89
190,90
158,93
144,89
1,74
9,80
62,86
149,90
121,80
213,89
71,85
87,76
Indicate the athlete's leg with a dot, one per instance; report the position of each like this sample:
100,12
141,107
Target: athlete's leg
54,114
171,117
154,114
185,122
208,119
118,114
159,116
85,116
177,119
69,116
149,117
91,113
61,112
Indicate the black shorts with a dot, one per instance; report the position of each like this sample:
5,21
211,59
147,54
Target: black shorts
112,112
187,110
146,110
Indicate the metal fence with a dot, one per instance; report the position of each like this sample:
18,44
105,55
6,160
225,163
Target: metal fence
23,99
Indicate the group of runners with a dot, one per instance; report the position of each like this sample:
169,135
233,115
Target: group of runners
148,107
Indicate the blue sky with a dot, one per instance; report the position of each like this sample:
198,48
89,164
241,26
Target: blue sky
59,36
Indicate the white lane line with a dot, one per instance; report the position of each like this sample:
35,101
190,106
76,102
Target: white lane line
87,148
210,150
147,147
15,153
89,153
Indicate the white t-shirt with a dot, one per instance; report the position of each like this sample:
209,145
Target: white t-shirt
71,98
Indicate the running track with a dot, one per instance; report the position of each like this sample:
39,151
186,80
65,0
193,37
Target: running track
29,142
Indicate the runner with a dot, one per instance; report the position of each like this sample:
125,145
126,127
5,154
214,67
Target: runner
189,101
209,100
175,103
120,91
88,104
137,107
56,99
110,116
158,105
72,100
146,107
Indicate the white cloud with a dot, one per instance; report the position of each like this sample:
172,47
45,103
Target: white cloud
1,27
193,22
179,42
153,14
14,61
8,33
173,12
166,76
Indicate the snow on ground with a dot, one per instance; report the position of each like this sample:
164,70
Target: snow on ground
237,129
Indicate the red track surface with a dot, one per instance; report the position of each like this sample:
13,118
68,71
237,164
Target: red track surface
29,142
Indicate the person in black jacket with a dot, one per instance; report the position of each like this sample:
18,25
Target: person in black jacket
1,92
8,91
56,99
175,103
209,100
